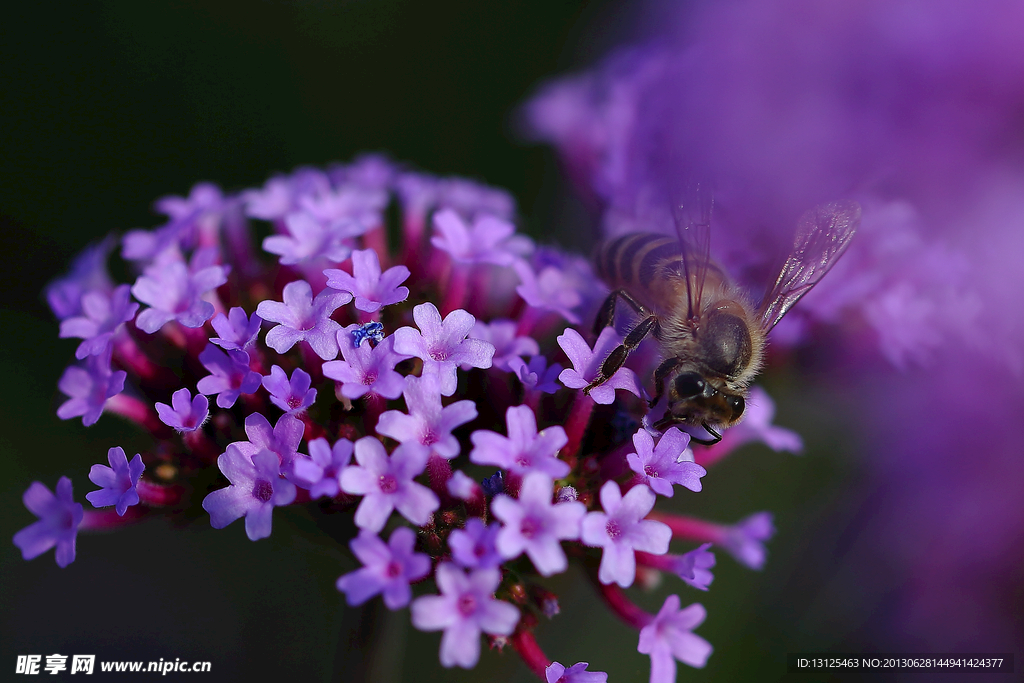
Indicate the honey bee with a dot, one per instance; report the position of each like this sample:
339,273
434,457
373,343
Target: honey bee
712,336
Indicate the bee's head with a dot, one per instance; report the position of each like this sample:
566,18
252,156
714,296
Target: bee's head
695,399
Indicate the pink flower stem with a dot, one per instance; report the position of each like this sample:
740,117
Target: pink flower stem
576,423
377,239
689,528
201,445
98,520
623,607
129,356
159,495
526,646
138,411
458,286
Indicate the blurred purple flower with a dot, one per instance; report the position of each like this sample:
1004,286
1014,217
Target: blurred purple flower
256,488
371,288
118,481
88,274
536,375
548,289
386,484
577,673
59,517
670,637
507,346
321,471
229,377
236,330
388,568
88,388
103,315
744,540
308,241
474,546
695,566
175,293
488,240
524,449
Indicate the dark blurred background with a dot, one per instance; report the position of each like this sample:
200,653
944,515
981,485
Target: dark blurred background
105,107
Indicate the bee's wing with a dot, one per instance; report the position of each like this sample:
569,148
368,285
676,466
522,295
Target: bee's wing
693,225
822,236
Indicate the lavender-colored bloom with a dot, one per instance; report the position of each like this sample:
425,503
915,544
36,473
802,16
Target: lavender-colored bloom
388,568
371,288
59,517
366,368
387,484
474,546
88,274
670,462
695,566
462,486
577,673
534,525
537,374
587,364
524,449
202,198
465,608
282,440
103,315
174,293
307,241
350,210
321,470
442,345
745,539
549,290
670,637
256,487
185,414
236,330
621,530
292,396
166,242
229,377
757,426
303,318
427,423
489,240
88,388
118,481
507,346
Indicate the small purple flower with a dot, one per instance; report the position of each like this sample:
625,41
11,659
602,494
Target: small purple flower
118,481
524,449
202,198
350,210
442,345
302,318
474,546
292,396
229,377
88,388
427,423
103,315
388,568
670,637
283,440
532,524
366,368
507,346
88,274
59,517
387,484
236,330
587,364
489,240
185,414
256,487
549,290
308,240
462,486
577,673
621,530
745,539
537,375
465,608
670,462
757,426
695,566
174,293
371,288
320,471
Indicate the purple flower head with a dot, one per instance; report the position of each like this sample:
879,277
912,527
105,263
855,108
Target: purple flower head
283,440
371,288
88,274
427,424
388,568
524,449
462,486
59,517
236,330
161,245
256,487
670,637
308,241
507,346
465,608
292,396
474,546
372,331
577,673
489,240
320,471
202,198
303,318
534,525
366,368
386,484
102,316
88,388
349,211
549,290
621,530
279,195
695,566
745,539
587,364
175,293
118,481
537,374
757,426
442,345
185,414
668,463
229,377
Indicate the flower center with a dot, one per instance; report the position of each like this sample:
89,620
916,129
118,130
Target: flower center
67,520
439,354
429,437
294,402
650,471
524,460
466,604
613,529
370,377
388,483
393,570
262,490
530,527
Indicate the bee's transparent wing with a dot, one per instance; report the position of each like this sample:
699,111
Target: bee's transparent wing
822,236
693,225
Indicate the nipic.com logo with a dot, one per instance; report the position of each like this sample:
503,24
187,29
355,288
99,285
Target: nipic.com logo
32,665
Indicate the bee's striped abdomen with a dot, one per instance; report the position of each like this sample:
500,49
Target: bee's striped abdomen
634,261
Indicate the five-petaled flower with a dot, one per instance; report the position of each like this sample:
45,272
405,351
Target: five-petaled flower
59,517
388,568
118,481
621,530
386,484
442,344
256,488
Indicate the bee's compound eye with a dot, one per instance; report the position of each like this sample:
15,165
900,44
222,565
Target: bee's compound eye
737,404
689,384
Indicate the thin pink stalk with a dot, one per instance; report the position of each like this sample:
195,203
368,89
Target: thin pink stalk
576,423
137,411
689,528
623,607
525,644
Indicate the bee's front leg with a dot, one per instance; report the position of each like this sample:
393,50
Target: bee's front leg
619,354
667,368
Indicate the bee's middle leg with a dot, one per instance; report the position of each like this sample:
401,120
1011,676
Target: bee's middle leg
606,314
619,354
